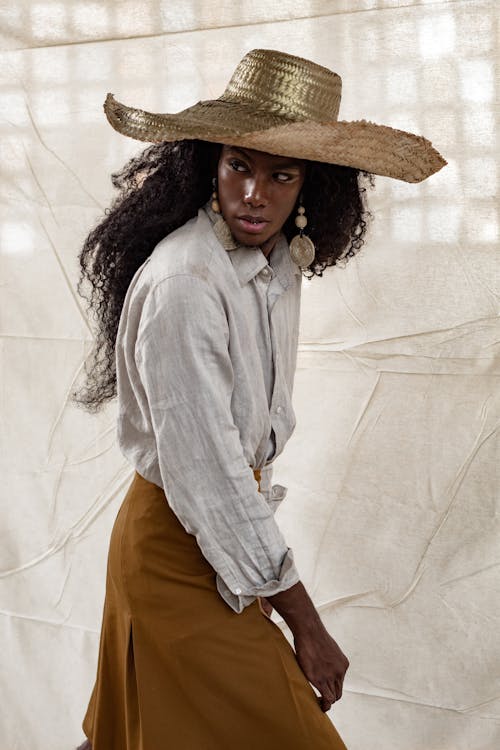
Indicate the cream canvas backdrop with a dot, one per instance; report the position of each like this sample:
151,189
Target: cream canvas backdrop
392,508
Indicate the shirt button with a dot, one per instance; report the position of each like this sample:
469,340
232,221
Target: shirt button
238,591
265,272
279,409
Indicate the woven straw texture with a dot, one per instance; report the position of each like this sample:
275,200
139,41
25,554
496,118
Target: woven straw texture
293,103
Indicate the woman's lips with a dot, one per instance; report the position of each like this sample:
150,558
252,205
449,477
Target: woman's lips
252,226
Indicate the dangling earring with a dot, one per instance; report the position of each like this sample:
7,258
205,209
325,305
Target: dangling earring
215,198
302,248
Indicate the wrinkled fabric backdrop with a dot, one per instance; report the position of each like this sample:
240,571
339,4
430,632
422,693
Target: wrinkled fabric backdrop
392,507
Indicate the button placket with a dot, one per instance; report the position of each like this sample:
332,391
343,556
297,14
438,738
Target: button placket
277,394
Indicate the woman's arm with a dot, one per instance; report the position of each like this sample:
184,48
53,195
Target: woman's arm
183,359
182,354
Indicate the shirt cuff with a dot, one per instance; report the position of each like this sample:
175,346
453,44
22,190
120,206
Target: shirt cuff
244,596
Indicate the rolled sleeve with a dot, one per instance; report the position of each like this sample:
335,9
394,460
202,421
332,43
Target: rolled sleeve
183,358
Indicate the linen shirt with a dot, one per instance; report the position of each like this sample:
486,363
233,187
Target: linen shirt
206,354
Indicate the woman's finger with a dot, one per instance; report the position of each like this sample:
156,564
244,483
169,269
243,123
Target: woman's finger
328,692
339,686
324,704
332,685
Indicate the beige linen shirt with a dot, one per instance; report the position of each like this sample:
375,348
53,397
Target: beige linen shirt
206,354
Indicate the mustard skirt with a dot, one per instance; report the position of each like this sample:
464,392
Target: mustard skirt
178,669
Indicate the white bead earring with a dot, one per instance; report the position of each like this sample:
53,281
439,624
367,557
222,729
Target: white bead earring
302,248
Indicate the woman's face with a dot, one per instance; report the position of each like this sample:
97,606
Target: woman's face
257,192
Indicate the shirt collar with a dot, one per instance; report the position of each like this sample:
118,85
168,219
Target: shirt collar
248,261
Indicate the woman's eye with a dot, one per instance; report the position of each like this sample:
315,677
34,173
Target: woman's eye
236,164
283,176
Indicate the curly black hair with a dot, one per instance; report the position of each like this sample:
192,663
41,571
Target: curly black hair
160,189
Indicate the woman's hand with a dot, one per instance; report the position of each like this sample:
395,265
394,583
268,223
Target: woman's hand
318,655
323,663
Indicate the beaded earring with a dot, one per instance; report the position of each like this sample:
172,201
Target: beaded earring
302,248
215,197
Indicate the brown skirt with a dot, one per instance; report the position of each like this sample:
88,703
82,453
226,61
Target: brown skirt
178,669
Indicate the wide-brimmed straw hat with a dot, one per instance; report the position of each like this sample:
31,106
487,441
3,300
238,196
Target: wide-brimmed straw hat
288,106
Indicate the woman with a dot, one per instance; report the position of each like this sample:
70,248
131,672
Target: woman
196,274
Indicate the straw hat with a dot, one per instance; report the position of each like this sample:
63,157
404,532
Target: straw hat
288,106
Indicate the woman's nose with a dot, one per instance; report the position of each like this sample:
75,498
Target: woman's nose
256,192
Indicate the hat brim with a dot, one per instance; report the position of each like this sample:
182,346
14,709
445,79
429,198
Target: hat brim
361,144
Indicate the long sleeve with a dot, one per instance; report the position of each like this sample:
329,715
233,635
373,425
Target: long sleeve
183,358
